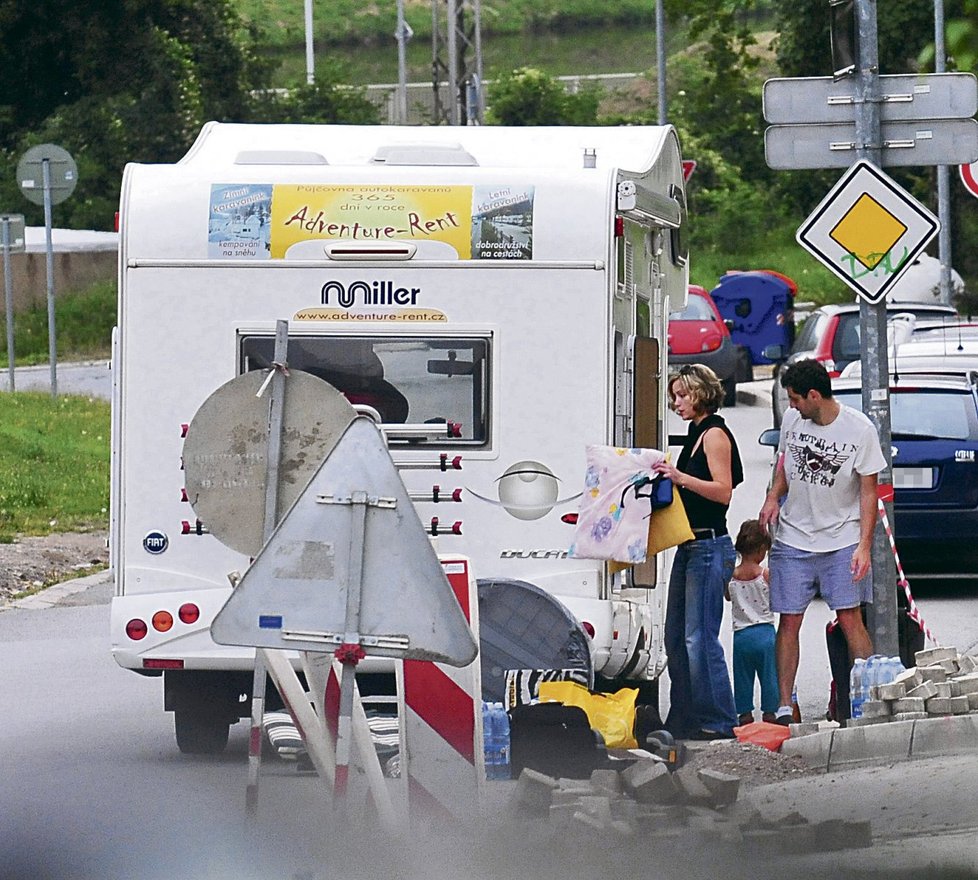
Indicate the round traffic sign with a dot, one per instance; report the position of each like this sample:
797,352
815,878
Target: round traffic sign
62,173
969,177
225,452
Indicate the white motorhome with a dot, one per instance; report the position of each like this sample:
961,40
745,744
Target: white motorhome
511,283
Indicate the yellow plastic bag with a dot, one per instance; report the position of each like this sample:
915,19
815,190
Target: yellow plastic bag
611,714
668,527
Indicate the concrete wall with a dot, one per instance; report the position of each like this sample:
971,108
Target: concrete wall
73,271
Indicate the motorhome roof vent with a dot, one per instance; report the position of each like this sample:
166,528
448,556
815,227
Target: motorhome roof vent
279,157
423,154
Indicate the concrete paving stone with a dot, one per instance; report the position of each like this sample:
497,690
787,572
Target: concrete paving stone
893,690
910,716
924,691
597,806
867,720
562,798
650,782
605,781
803,728
861,745
933,673
813,750
910,678
972,702
943,689
967,684
947,706
533,791
950,666
692,788
561,815
588,821
967,663
835,834
724,787
955,734
909,704
875,709
931,656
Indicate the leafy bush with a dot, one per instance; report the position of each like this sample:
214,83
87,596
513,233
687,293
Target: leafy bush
530,97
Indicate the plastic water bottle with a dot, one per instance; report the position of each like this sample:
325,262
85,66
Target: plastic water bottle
495,735
501,765
487,738
856,687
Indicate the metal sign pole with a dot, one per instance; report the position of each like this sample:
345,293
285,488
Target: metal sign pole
49,263
351,641
8,289
872,320
660,59
943,182
276,409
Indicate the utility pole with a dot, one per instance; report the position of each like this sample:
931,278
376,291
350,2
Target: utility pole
943,185
310,57
457,59
660,58
882,614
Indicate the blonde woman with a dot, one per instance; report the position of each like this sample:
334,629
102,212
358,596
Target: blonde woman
706,472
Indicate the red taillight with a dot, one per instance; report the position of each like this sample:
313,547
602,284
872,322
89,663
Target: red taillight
588,627
711,343
189,613
136,629
829,365
619,227
162,664
162,621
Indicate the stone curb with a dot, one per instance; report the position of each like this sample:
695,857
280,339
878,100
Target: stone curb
51,596
848,747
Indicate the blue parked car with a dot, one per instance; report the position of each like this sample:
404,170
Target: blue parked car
934,427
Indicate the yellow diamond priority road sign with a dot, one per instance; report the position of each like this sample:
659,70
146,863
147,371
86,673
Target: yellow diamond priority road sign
868,230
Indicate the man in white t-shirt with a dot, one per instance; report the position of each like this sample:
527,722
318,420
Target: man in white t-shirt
828,460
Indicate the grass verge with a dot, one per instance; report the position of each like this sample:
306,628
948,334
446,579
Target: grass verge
83,323
54,464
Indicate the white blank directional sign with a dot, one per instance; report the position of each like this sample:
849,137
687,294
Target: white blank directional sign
905,96
868,230
926,142
294,595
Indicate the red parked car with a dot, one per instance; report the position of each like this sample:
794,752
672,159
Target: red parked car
699,335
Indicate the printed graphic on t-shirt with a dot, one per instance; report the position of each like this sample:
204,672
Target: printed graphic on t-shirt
817,461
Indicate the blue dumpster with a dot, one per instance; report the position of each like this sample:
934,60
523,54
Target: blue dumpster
760,304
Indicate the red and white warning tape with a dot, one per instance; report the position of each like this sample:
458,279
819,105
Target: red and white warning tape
912,611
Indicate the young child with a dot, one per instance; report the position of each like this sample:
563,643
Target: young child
753,624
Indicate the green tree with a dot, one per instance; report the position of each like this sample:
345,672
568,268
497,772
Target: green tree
134,81
530,97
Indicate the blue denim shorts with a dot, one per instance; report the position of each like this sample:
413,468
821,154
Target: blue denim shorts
798,576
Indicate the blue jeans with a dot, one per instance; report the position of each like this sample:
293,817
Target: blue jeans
753,652
700,695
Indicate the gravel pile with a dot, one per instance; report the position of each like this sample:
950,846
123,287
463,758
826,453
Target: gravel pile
30,563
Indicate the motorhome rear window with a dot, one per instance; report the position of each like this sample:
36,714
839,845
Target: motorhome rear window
410,381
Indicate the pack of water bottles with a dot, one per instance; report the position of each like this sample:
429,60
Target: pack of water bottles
495,736
867,674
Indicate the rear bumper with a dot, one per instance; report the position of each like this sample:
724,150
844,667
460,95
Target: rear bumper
936,543
723,361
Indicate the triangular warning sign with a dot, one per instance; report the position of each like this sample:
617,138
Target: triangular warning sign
353,528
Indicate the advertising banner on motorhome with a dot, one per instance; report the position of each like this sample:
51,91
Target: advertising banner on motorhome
263,221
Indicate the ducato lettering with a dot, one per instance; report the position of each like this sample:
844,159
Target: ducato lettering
533,554
368,293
